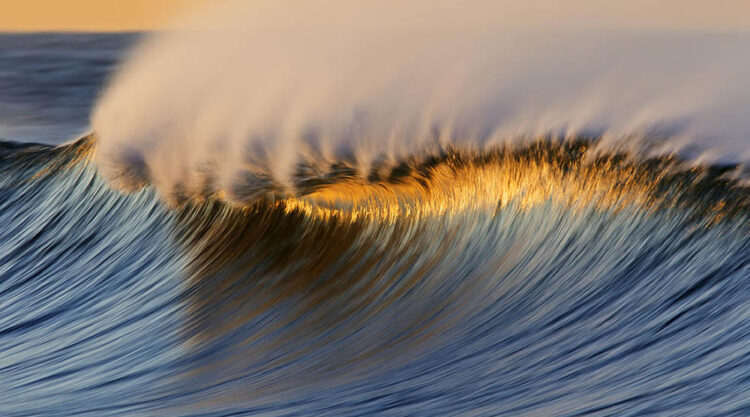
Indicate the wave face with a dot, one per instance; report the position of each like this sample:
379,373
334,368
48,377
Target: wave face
544,279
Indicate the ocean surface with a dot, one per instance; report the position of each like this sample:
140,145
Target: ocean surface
551,278
49,82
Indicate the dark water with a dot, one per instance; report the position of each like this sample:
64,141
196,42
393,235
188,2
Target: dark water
523,283
48,82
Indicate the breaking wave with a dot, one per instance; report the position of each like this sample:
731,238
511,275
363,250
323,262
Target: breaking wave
370,208
541,279
252,90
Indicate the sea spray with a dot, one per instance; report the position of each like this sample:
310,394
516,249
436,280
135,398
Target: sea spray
251,91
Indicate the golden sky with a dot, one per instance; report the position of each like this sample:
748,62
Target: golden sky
119,15
89,15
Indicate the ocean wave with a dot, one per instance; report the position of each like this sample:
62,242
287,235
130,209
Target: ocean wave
544,279
422,208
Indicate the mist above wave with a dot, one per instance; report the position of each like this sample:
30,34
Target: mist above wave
254,89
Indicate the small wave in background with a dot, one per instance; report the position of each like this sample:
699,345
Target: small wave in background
423,210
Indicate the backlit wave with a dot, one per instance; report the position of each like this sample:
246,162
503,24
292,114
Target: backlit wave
559,278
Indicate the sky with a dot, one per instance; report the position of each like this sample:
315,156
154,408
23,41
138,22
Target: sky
127,15
90,15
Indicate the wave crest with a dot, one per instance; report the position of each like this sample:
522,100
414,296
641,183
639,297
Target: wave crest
256,89
576,174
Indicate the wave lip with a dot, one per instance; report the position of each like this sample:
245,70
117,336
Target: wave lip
575,172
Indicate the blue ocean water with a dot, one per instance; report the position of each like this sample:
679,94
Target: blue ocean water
49,81
633,303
